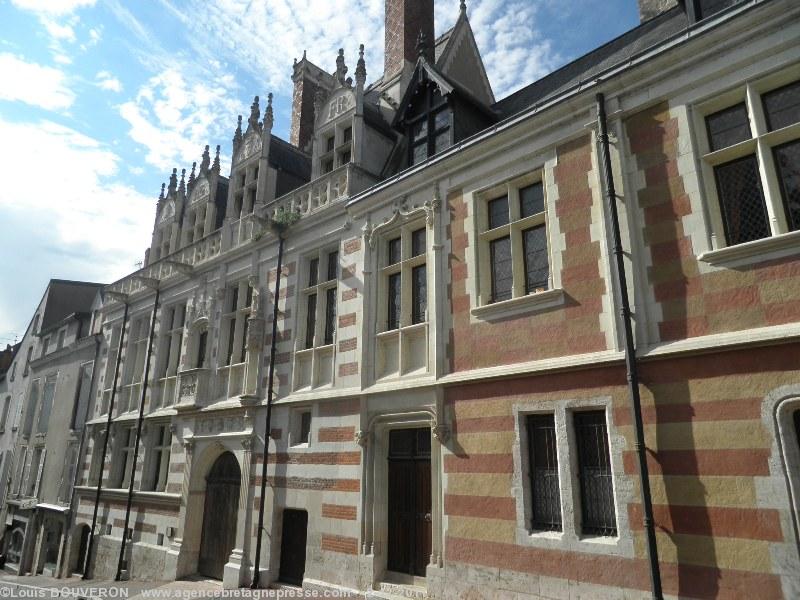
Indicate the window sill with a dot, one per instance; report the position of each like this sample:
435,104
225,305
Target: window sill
753,252
517,306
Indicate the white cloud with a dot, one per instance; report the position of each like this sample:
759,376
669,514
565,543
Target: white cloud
52,8
86,212
173,116
33,84
106,81
59,31
264,37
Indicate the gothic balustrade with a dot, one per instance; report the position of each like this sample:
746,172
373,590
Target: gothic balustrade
328,189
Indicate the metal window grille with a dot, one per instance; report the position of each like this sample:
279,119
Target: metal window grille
330,315
742,199
311,320
498,212
782,106
502,271
418,242
394,251
545,492
393,321
728,127
531,200
333,265
419,294
787,163
537,269
594,466
313,270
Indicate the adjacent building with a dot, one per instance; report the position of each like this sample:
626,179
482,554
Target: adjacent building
451,415
52,385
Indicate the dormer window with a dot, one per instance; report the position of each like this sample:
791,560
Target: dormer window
429,128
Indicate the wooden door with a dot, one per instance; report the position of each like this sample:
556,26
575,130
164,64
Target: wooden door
219,516
409,506
293,546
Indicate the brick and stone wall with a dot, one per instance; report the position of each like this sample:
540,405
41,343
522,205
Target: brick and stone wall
692,298
710,439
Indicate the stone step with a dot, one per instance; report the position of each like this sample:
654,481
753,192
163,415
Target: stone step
397,591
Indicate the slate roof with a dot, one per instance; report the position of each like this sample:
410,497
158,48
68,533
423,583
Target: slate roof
284,156
66,298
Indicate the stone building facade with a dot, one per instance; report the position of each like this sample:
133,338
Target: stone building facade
450,416
52,384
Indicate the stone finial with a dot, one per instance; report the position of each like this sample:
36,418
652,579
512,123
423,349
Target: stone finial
341,68
173,183
269,117
206,162
161,195
182,185
422,44
192,174
237,135
463,6
361,67
215,166
255,113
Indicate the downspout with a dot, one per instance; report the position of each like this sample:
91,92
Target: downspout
268,422
630,351
105,442
121,564
71,517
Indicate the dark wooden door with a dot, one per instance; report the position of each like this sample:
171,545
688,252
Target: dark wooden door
219,516
409,507
293,546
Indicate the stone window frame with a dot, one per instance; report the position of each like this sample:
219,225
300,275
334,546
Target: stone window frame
95,466
778,415
478,253
157,455
295,426
570,537
107,384
169,355
230,371
782,241
133,367
335,130
319,356
122,444
403,336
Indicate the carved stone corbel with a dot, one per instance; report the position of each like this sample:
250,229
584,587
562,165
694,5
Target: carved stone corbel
441,433
361,438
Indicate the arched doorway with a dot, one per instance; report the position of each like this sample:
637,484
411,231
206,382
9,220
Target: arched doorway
221,509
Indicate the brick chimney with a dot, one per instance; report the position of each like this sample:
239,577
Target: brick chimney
404,21
307,78
652,8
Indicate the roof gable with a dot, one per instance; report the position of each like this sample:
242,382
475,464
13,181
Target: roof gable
461,61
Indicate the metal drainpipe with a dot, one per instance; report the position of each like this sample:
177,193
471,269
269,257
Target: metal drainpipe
121,562
268,422
105,444
630,352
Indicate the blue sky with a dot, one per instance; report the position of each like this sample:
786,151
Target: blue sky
99,99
